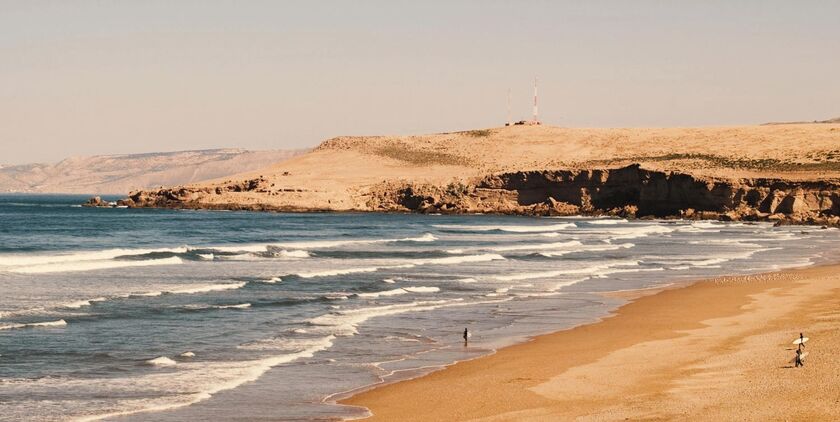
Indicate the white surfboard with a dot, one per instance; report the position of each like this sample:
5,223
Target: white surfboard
801,357
800,340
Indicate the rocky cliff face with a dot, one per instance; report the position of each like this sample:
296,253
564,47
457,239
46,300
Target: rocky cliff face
629,191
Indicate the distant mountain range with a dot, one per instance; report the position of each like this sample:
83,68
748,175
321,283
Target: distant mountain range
119,174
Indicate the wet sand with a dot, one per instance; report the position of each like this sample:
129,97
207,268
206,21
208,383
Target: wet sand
717,349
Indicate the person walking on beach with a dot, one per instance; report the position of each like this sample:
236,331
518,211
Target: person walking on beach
798,359
466,337
801,341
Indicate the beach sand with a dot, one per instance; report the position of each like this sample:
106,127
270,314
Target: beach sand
718,349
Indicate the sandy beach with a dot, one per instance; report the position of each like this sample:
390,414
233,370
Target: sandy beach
718,349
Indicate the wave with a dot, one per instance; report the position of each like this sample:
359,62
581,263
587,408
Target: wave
393,292
91,266
537,246
21,260
329,273
635,232
705,260
345,323
467,280
315,244
80,303
407,264
286,344
46,324
458,259
209,288
606,222
589,248
196,381
400,291
194,289
161,361
292,254
591,270
510,229
203,307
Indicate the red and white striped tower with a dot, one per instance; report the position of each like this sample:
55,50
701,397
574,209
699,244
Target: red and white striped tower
536,114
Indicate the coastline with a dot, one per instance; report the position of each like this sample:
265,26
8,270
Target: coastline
717,348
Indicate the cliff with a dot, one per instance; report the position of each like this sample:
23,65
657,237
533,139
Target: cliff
782,172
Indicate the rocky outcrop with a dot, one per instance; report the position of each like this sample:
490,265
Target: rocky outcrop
630,191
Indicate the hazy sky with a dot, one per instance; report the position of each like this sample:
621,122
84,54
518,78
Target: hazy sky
106,77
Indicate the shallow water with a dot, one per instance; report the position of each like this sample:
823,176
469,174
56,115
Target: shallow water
223,314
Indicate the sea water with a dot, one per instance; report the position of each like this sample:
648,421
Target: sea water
116,313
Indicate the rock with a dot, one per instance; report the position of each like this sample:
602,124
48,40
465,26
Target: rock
95,201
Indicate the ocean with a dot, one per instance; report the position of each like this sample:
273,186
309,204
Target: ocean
200,315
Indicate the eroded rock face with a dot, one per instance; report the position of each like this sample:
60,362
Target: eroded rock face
629,191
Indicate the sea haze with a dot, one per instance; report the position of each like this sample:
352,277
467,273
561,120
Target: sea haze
216,315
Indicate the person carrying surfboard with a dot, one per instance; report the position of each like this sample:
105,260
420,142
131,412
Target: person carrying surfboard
466,336
801,341
798,360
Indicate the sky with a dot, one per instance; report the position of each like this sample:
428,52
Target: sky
115,77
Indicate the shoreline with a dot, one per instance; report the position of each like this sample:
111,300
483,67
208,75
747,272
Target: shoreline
685,351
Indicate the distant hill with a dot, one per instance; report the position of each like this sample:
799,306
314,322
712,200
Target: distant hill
119,174
829,121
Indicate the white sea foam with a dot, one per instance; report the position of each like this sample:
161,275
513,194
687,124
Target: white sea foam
187,355
405,264
343,271
589,248
536,246
161,361
634,232
344,323
196,381
317,244
606,221
239,306
26,260
458,259
467,280
393,292
208,288
91,265
206,256
46,324
80,303
504,228
422,289
591,270
192,289
293,254
400,291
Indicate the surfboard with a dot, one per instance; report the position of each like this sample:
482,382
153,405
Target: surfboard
801,357
800,340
